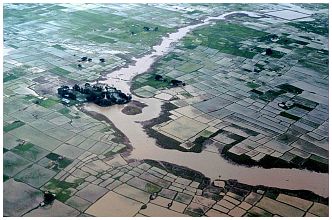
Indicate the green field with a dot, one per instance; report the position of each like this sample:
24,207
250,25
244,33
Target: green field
225,37
47,103
14,125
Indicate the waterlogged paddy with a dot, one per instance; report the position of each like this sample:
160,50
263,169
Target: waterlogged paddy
210,164
122,77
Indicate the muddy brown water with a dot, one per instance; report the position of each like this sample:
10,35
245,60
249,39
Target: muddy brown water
210,164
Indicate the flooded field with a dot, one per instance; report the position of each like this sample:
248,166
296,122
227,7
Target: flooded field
211,164
227,113
288,15
122,77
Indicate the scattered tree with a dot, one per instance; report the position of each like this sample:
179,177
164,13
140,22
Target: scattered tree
268,51
76,88
158,77
175,82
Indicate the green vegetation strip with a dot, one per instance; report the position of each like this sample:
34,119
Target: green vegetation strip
317,27
66,112
150,81
26,147
7,78
152,188
14,73
225,37
171,56
12,126
199,142
181,171
5,178
132,30
57,46
62,163
269,95
59,71
252,85
47,103
112,152
28,151
290,88
61,188
290,116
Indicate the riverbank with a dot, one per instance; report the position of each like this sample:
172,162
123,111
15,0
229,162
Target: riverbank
119,136
209,163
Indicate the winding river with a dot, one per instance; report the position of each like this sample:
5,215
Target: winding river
210,164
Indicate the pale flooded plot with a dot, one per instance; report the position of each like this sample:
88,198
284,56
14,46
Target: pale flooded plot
123,206
14,192
288,14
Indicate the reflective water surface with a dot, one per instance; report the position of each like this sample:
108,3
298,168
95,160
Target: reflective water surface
210,164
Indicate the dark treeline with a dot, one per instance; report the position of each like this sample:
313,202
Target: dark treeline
100,94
